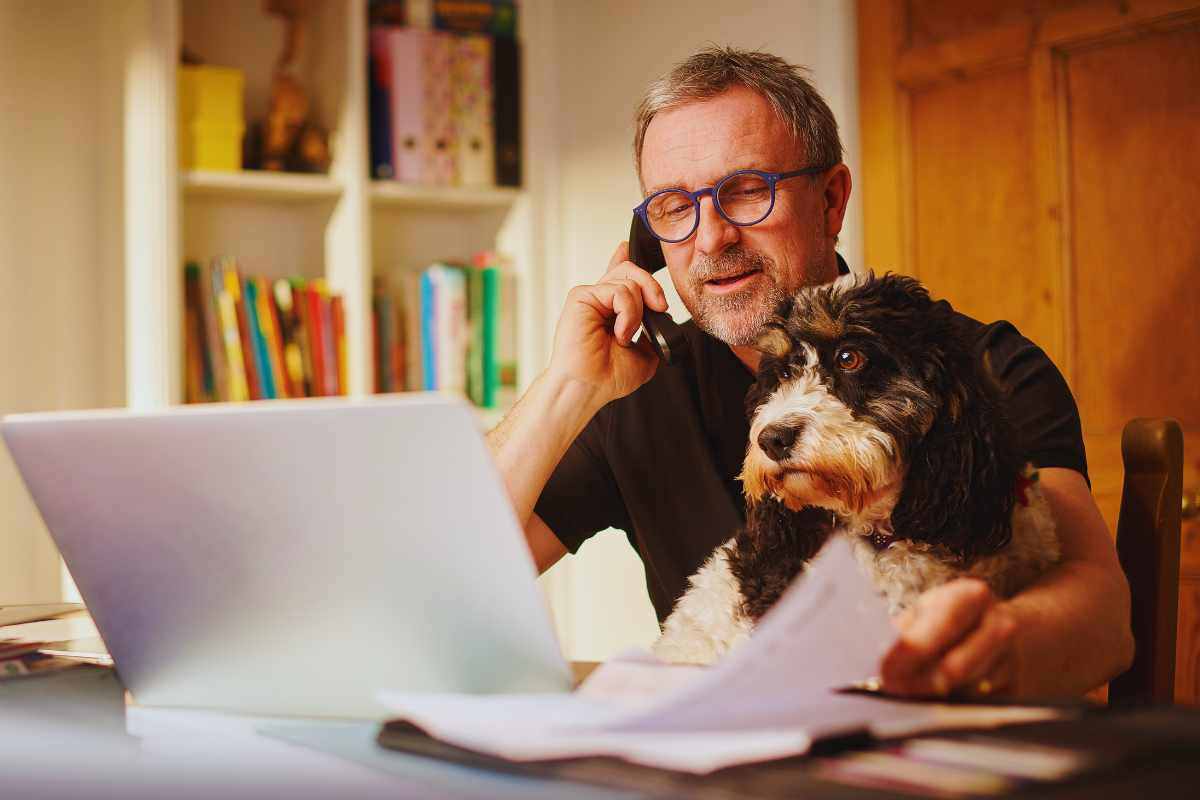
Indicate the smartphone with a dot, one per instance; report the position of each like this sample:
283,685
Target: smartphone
664,333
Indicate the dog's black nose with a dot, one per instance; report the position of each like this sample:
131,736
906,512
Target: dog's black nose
777,440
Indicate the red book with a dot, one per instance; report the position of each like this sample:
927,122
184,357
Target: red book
316,338
339,342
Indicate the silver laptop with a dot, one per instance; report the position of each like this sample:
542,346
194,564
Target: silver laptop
293,557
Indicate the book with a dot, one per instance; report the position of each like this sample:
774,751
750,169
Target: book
338,314
471,79
291,333
262,362
314,324
231,335
270,335
233,285
194,379
213,343
428,336
411,297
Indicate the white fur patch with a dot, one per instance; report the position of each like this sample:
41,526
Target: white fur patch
707,621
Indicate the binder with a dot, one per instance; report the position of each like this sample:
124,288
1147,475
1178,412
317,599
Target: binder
380,104
472,112
506,76
440,157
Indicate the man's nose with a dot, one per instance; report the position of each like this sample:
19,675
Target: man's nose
715,233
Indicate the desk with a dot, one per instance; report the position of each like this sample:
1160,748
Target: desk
70,734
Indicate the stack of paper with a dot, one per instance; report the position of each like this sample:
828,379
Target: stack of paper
771,698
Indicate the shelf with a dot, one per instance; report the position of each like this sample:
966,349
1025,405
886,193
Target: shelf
253,184
391,194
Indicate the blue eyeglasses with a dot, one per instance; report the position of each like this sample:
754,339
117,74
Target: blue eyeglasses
743,198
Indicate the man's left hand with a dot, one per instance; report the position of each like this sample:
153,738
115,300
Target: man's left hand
958,638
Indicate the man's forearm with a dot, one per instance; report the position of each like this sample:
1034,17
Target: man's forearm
532,438
1072,630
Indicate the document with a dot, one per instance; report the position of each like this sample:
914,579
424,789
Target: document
770,698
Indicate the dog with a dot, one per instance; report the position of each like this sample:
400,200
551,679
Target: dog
871,418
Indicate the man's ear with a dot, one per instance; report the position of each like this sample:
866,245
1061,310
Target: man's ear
835,196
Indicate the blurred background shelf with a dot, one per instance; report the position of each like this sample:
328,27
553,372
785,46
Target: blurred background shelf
250,185
392,194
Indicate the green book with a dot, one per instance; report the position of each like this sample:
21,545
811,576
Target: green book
475,349
490,335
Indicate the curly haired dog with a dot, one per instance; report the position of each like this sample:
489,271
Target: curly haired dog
872,419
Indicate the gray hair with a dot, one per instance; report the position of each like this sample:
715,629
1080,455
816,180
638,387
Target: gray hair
715,69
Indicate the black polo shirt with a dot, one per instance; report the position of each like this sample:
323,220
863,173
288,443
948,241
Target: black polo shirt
661,464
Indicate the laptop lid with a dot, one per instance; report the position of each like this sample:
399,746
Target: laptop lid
293,557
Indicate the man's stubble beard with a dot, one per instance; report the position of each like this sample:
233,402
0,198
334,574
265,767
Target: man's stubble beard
737,318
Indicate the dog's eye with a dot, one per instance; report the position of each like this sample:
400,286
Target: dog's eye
850,360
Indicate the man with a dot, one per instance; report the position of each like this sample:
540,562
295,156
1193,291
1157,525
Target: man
606,437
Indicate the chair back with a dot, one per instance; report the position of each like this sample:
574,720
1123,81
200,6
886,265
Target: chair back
1148,531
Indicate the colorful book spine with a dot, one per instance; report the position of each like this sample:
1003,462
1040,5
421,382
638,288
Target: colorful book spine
194,379
239,387
270,333
428,331
338,313
414,364
492,304
233,285
212,336
316,339
262,361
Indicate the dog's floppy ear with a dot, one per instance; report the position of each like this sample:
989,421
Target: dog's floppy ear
960,486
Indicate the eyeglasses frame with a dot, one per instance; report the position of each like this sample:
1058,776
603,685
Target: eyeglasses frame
771,178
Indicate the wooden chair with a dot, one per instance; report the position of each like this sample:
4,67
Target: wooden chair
1148,530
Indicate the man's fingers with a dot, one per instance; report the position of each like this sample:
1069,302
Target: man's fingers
651,289
627,303
944,616
977,656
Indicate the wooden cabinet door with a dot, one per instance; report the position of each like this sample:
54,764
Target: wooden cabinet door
1039,162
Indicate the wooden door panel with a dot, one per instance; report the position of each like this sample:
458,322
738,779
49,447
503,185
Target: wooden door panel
1134,125
973,219
1040,162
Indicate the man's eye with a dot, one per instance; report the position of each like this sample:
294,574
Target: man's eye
848,360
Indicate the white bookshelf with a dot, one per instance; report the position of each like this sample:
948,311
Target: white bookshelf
257,185
343,226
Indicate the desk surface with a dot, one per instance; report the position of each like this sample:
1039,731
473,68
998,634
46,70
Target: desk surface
65,734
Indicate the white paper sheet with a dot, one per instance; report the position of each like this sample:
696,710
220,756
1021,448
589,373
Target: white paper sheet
771,698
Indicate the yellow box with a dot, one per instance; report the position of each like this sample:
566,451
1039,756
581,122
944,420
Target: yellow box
213,94
211,146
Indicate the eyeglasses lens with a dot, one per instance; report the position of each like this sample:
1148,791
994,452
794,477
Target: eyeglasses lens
671,215
745,198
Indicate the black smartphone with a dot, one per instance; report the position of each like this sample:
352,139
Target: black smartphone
664,333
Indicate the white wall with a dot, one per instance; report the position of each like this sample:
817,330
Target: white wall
606,53
60,299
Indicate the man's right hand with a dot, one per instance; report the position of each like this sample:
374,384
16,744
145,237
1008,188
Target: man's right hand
593,343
